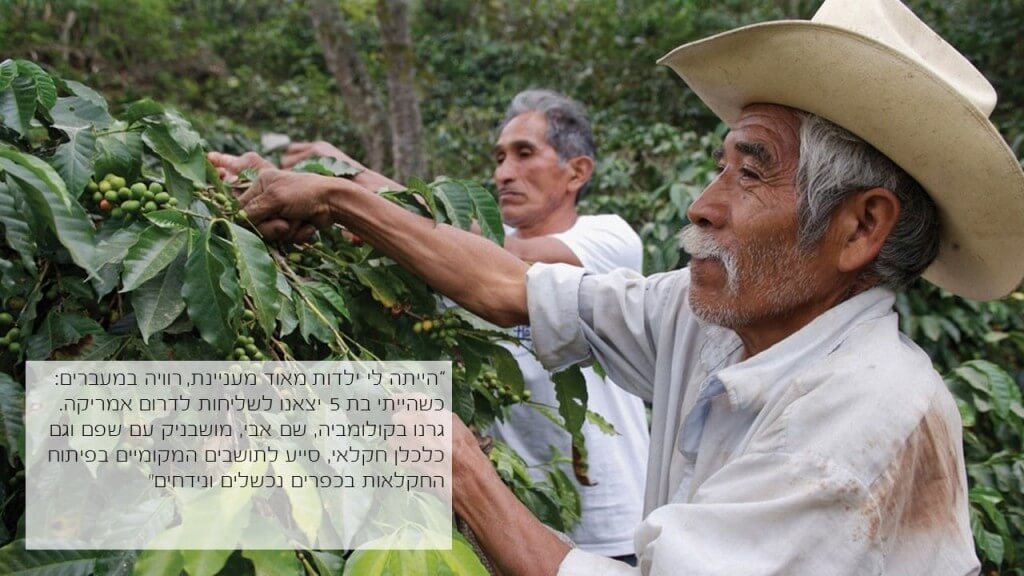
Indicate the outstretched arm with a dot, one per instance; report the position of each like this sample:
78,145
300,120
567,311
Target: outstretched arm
479,275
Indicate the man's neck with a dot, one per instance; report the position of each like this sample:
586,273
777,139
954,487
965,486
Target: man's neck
556,222
761,335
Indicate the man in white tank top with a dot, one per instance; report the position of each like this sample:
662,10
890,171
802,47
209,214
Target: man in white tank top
544,158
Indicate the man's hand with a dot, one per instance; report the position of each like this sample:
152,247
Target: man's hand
230,166
299,151
285,205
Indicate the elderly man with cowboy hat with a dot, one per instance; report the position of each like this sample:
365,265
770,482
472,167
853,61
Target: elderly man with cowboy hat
795,430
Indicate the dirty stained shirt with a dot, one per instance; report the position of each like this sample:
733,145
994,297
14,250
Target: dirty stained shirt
836,451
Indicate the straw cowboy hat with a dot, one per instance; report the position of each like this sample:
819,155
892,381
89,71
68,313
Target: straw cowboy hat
872,67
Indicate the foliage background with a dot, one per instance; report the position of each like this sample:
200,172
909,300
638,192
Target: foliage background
238,68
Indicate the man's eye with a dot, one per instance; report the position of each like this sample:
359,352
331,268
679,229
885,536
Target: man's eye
748,173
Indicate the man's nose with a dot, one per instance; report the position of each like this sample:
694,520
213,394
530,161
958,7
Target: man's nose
710,208
504,172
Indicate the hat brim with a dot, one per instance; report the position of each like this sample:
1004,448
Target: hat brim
901,108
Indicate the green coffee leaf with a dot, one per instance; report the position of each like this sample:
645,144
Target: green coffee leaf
73,159
275,562
423,189
83,91
18,104
142,109
170,219
204,561
571,391
48,197
46,91
118,152
79,112
601,423
211,291
326,563
458,205
159,563
16,229
378,282
509,373
157,302
331,296
990,543
154,251
315,319
15,560
258,275
8,70
486,210
59,329
12,422
177,143
327,166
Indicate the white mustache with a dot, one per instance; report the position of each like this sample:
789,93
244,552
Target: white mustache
699,243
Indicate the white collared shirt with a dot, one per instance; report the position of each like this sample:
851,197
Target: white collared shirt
836,451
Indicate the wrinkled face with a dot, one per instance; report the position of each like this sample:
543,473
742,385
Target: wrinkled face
531,181
746,267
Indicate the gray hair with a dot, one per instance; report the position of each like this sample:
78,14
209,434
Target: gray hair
568,127
835,164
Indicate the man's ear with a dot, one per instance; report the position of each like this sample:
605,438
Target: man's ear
864,222
581,169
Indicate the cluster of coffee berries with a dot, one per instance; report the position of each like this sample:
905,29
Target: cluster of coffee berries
245,347
443,327
489,380
113,195
306,258
228,204
10,341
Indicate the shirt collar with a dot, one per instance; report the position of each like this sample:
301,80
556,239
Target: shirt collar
750,384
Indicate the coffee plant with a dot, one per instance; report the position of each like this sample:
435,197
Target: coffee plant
120,242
